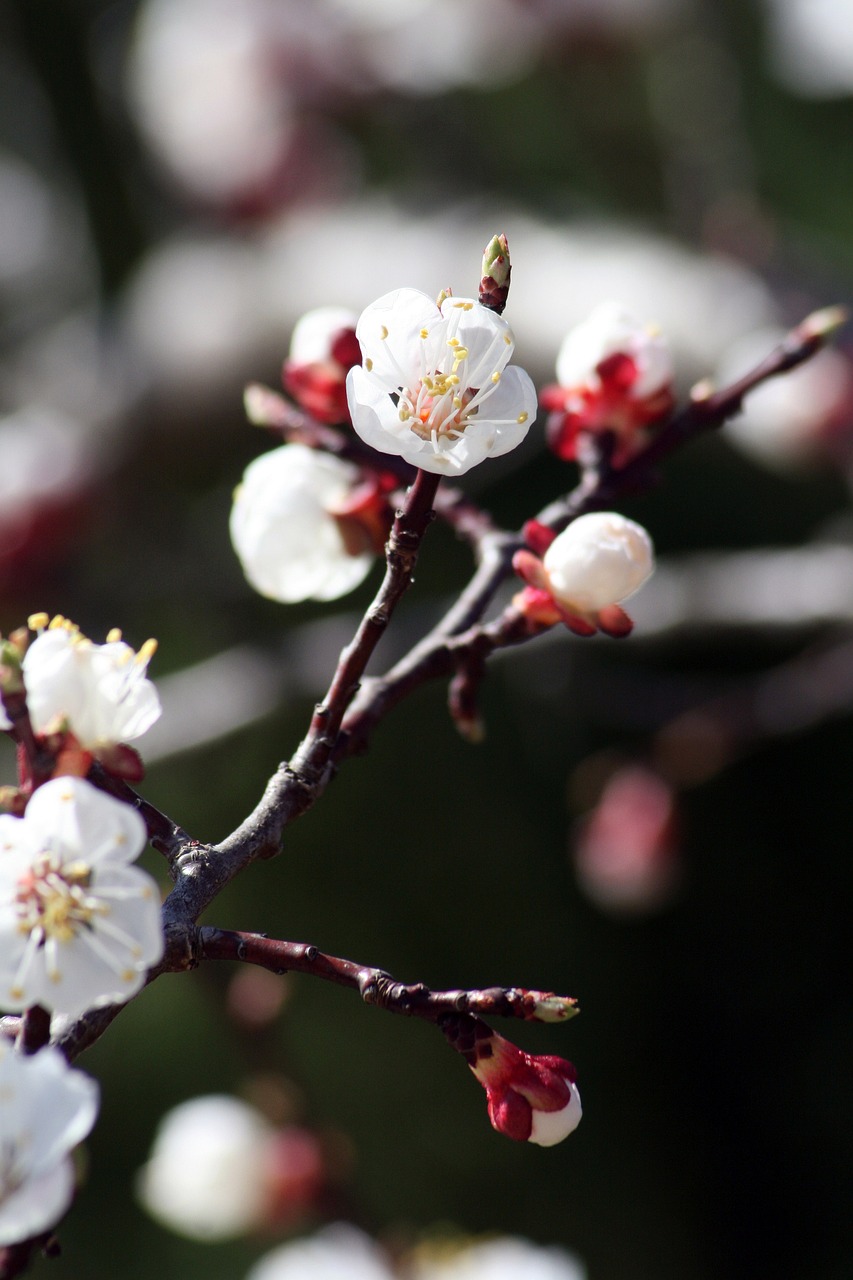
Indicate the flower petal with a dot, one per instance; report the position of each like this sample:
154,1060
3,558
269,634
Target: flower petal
81,822
389,333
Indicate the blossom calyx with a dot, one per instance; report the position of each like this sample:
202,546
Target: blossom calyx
435,386
531,1097
613,374
323,349
497,269
597,562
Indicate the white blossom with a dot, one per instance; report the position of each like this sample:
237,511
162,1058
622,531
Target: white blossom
436,385
600,559
612,330
206,1177
284,531
79,927
504,1258
46,1109
338,1252
100,690
314,333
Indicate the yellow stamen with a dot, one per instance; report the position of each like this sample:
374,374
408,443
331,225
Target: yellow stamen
522,417
38,621
114,635
383,333
146,652
496,377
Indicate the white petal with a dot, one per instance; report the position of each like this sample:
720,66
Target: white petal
600,559
56,1106
374,414
551,1127
487,336
56,677
514,397
400,316
80,822
37,1205
289,545
313,333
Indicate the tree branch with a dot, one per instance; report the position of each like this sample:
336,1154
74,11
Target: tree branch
377,987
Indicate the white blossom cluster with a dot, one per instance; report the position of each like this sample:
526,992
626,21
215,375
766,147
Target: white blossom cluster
79,926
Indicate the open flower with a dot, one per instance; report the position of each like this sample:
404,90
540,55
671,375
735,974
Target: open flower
303,526
79,927
100,692
600,560
613,374
46,1109
323,349
436,386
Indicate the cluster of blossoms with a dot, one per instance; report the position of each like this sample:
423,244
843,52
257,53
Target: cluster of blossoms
79,926
613,374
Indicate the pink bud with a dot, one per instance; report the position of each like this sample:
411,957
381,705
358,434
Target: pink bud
626,850
614,374
531,1097
323,349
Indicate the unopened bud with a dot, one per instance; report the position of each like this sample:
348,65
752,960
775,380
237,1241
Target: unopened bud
823,323
600,559
497,269
531,1098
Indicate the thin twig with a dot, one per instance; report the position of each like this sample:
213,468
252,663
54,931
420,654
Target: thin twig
377,987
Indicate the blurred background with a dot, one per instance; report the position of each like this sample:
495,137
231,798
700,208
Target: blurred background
660,828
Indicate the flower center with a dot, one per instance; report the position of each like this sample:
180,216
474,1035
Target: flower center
437,407
55,901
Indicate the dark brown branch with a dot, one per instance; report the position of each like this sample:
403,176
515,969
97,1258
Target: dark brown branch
34,1031
377,987
38,760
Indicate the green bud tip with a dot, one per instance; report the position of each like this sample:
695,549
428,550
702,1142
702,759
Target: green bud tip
496,263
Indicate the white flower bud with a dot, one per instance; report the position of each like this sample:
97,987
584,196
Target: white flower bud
207,1174
599,560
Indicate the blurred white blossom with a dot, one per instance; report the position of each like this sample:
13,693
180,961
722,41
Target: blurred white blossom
46,1109
285,531
338,1252
503,1258
810,45
205,1177
79,927
788,420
